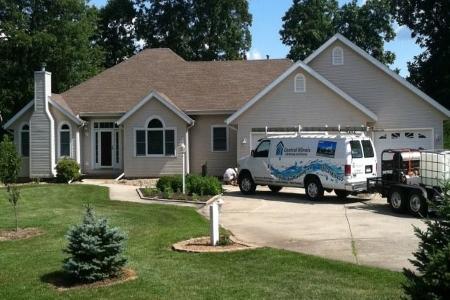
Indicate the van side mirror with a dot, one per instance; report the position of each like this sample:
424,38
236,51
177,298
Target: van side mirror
252,153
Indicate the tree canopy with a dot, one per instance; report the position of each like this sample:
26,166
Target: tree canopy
429,21
310,23
117,36
196,29
58,32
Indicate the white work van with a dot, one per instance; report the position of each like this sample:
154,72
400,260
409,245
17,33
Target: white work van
339,162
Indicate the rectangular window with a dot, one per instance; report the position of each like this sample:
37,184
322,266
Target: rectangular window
140,142
367,149
356,149
220,142
155,141
65,143
170,142
25,143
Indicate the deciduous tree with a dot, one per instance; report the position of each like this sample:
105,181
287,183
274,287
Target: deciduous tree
58,32
310,23
196,29
429,21
117,31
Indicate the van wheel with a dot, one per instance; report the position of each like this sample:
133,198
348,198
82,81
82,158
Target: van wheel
341,193
275,188
397,200
246,184
418,205
314,189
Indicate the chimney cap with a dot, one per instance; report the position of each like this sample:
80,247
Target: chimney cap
43,65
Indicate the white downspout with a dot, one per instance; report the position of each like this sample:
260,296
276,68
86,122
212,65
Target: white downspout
186,138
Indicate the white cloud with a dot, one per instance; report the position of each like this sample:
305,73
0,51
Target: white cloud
253,54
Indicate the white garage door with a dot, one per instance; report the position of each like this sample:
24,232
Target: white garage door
392,139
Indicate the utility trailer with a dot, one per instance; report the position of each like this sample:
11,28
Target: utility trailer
410,177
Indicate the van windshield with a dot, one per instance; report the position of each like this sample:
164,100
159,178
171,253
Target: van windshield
356,149
367,148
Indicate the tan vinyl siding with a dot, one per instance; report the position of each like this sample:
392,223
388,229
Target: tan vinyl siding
25,166
41,140
281,107
395,105
200,144
138,166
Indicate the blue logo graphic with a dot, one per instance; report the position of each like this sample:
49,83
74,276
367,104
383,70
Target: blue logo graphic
329,171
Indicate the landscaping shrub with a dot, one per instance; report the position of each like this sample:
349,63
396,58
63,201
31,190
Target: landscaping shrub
164,182
10,162
432,259
67,169
194,184
95,249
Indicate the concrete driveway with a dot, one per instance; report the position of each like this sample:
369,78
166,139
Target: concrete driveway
360,230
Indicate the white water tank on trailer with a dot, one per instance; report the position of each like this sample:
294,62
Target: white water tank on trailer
435,167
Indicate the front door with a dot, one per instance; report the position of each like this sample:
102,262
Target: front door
106,148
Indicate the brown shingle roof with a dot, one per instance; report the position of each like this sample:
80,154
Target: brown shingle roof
192,86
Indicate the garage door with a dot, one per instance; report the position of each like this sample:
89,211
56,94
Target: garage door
391,139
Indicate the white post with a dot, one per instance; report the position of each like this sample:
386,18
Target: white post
214,223
183,150
184,173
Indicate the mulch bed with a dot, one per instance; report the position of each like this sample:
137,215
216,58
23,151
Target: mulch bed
20,234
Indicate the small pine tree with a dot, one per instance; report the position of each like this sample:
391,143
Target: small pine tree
95,249
432,258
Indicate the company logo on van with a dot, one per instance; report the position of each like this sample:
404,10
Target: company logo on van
293,151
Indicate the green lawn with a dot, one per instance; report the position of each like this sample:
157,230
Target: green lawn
263,273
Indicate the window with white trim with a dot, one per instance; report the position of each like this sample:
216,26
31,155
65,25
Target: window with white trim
155,139
219,136
65,137
25,140
299,83
338,56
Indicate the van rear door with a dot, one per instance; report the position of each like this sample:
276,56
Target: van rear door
363,159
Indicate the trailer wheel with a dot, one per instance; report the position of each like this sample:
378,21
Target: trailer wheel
314,189
397,200
275,188
418,205
246,184
341,193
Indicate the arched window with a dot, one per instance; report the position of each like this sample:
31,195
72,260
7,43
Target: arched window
155,139
299,83
64,140
25,140
338,56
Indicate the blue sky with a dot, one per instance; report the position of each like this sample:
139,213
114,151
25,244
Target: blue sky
267,23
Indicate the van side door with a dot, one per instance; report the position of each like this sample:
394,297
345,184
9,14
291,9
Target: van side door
260,170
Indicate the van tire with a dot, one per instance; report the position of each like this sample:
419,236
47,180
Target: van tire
246,184
275,188
314,189
397,200
417,204
341,194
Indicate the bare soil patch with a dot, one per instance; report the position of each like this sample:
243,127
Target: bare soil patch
203,244
20,234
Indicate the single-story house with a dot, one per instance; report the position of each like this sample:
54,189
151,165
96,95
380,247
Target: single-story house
135,117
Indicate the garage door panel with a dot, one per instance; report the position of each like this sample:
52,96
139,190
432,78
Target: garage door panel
393,139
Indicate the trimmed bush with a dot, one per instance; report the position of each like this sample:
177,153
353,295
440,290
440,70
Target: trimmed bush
195,184
94,250
67,169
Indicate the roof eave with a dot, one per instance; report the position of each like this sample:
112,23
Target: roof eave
382,67
313,73
64,111
160,98
18,115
